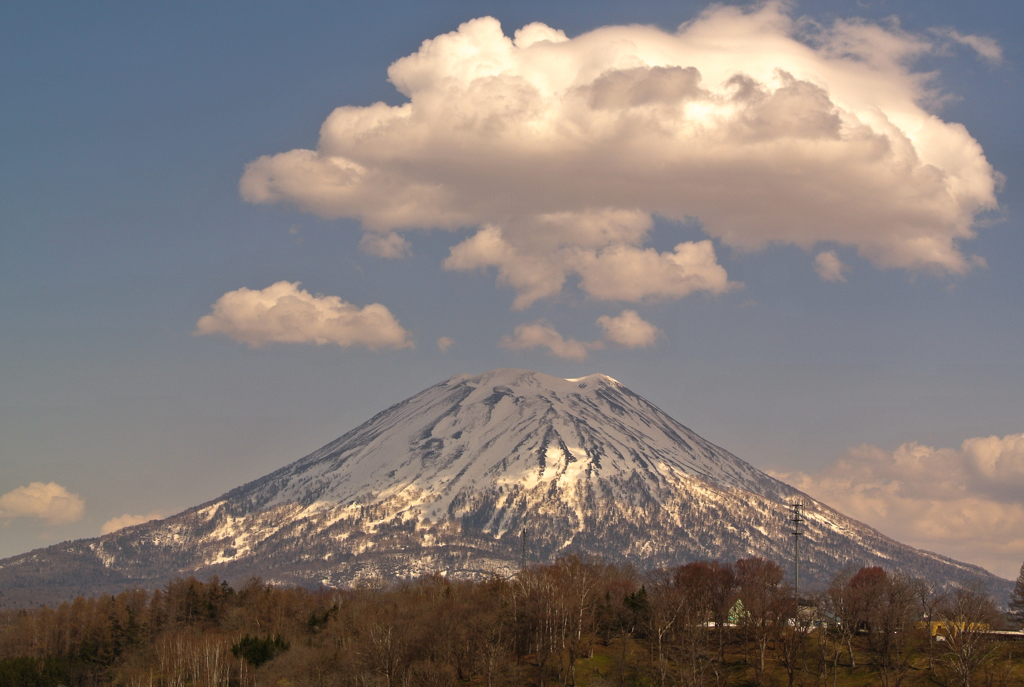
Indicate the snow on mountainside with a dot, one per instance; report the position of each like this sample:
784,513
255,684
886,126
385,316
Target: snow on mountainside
449,479
509,429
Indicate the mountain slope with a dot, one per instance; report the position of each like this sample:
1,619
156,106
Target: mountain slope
449,480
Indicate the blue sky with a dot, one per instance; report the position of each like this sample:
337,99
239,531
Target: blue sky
797,332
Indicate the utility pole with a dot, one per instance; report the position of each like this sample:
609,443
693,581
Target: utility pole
797,520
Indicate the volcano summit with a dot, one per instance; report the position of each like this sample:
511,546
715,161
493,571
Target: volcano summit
449,481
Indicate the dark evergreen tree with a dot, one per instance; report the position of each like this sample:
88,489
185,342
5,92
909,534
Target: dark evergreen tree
1017,597
259,650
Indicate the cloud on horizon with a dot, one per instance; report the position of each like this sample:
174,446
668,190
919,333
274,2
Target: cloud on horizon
127,520
964,502
47,501
557,152
284,313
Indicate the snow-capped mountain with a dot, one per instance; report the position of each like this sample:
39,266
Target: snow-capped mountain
453,478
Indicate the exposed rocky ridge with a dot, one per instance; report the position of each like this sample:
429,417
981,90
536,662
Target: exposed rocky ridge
448,479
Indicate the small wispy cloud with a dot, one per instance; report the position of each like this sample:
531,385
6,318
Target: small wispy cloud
47,501
444,343
829,267
988,48
284,313
389,245
629,330
542,334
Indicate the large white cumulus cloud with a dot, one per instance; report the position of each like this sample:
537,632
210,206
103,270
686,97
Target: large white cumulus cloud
962,502
559,152
284,313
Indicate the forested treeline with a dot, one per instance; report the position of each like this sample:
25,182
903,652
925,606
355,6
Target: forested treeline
575,622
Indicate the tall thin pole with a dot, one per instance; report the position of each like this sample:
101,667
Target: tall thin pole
796,533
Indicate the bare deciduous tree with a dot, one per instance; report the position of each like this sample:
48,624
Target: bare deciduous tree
891,628
966,617
766,601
